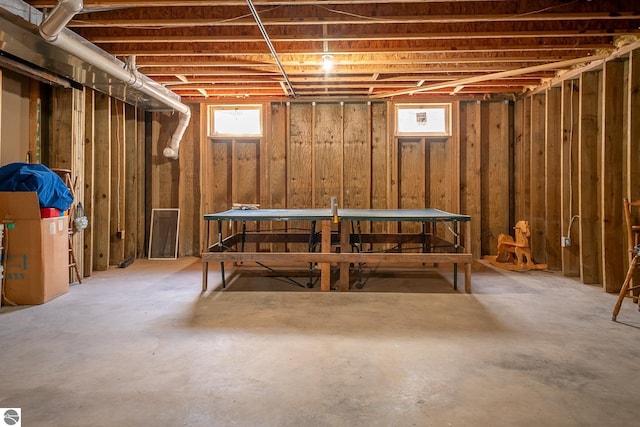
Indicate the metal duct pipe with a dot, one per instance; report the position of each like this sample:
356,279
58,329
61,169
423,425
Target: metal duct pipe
263,31
59,17
51,30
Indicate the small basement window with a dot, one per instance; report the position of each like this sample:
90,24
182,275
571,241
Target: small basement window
235,120
423,119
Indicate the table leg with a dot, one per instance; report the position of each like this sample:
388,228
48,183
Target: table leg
244,236
205,264
359,283
455,250
467,249
220,246
311,248
205,273
345,247
325,267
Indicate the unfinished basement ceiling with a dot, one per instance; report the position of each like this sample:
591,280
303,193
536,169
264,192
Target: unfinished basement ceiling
381,49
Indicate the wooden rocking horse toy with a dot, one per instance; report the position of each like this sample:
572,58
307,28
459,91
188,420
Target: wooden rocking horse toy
515,254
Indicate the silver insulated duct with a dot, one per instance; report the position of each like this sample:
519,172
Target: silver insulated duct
52,29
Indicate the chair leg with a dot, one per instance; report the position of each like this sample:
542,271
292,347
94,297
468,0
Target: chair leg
625,287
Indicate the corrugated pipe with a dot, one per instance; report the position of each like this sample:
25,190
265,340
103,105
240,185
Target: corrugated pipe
51,29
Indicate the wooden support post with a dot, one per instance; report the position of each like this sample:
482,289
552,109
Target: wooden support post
130,187
118,197
633,137
380,160
495,179
589,156
470,150
569,167
614,239
89,146
77,169
61,129
102,181
522,160
276,164
632,141
141,170
553,151
189,188
357,157
327,152
35,119
300,162
467,249
537,208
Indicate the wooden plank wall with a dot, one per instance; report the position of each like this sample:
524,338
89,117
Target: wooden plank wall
613,230
553,151
130,186
588,178
357,156
521,160
328,160
632,141
380,174
300,167
114,132
189,189
275,163
562,158
537,180
592,150
313,151
141,195
66,151
89,167
117,175
471,168
102,182
569,171
101,140
495,173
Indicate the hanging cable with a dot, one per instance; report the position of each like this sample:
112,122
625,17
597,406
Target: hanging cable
573,217
254,12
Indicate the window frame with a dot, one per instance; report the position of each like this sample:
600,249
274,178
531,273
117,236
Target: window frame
220,107
428,105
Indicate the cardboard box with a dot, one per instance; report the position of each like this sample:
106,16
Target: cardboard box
37,251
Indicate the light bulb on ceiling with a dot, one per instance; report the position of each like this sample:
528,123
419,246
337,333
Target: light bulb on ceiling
327,62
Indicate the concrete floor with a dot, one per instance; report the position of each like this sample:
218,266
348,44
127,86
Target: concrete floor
142,347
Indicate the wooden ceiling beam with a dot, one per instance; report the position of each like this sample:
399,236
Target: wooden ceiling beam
363,47
370,60
514,37
453,69
189,22
515,72
101,4
321,85
169,81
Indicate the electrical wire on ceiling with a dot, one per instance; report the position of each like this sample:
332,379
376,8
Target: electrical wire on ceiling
263,31
379,19
162,27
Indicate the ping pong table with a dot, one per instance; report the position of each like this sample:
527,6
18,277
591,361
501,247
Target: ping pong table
344,247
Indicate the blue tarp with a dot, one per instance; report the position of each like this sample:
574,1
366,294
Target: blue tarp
51,189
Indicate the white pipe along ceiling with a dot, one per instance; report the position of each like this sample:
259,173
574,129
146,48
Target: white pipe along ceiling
51,30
